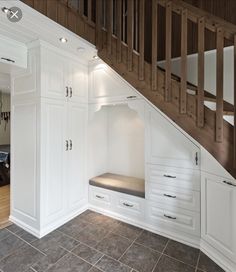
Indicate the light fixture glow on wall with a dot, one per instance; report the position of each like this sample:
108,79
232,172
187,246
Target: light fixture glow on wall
5,10
63,40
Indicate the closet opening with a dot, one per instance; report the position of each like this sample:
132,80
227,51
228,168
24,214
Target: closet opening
5,108
116,149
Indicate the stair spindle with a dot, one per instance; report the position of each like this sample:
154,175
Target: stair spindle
154,45
184,48
130,34
99,25
81,8
235,101
168,51
141,38
109,25
219,83
118,30
201,66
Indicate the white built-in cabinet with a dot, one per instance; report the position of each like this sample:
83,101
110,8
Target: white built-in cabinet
63,78
218,214
167,145
56,86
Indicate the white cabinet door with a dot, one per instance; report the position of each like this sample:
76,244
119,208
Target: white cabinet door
76,173
77,81
166,145
53,75
54,158
219,215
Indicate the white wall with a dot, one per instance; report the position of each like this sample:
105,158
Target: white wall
116,142
210,71
125,142
5,128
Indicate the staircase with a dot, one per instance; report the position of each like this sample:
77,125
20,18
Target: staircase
117,28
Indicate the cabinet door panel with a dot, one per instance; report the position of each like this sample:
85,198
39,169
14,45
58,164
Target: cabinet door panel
53,75
166,145
76,179
54,150
78,81
219,215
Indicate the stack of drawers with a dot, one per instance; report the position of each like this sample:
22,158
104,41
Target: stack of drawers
173,199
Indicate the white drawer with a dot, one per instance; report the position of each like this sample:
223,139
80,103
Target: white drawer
130,206
188,179
173,219
12,52
173,196
100,197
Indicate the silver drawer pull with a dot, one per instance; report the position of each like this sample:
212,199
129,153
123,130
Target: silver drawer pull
170,217
100,197
171,196
229,183
169,176
9,60
128,205
132,96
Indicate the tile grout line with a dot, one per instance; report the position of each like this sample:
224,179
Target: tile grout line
161,254
198,261
130,246
28,242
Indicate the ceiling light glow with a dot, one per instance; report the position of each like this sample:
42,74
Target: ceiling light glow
63,40
5,10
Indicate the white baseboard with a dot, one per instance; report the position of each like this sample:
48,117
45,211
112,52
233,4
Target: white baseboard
217,257
24,226
46,230
182,238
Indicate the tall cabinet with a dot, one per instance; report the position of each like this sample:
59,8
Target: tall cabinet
59,94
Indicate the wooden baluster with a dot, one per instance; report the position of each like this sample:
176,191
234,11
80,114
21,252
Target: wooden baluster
109,25
168,51
184,48
81,7
118,30
235,101
154,45
141,38
89,11
219,83
201,68
130,33
99,25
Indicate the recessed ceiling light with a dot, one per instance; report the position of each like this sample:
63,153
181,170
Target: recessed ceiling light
80,49
95,57
5,10
63,40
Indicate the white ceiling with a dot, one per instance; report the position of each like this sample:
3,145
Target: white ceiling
34,25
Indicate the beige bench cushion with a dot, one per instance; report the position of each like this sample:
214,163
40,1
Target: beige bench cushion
119,183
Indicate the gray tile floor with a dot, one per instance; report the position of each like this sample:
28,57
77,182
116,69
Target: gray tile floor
95,243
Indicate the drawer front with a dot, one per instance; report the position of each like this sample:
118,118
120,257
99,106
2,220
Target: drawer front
171,176
173,196
100,197
130,206
163,217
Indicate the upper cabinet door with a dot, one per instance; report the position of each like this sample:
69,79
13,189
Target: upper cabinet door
76,167
106,85
219,214
53,75
77,82
166,145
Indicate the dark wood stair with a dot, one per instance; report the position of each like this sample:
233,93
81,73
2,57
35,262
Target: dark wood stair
117,28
